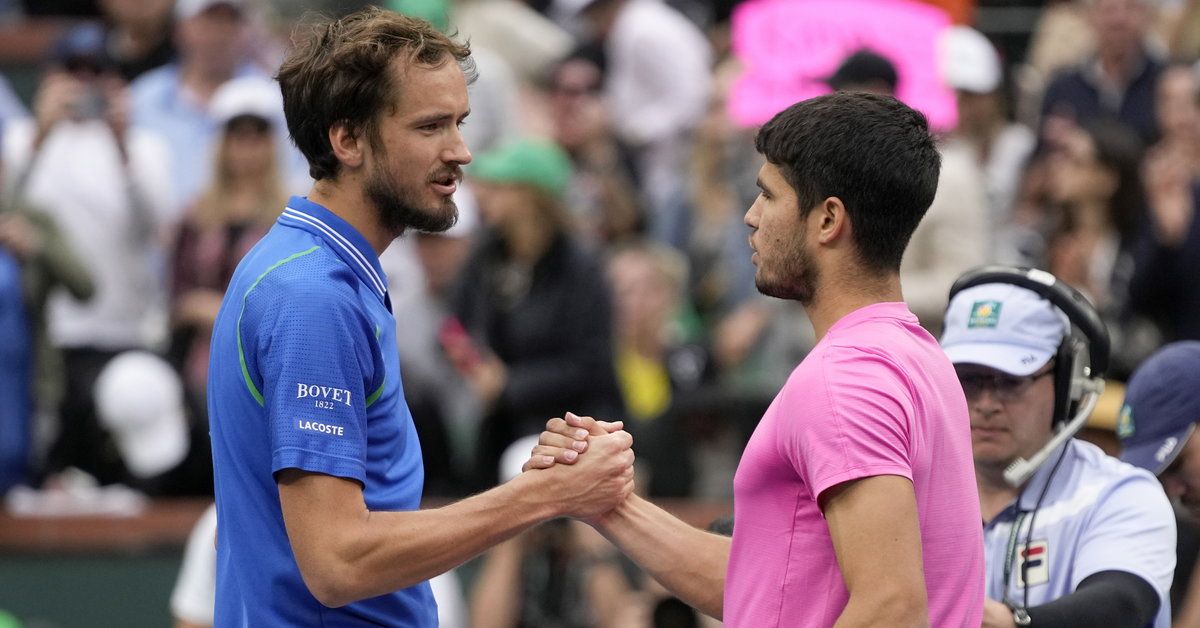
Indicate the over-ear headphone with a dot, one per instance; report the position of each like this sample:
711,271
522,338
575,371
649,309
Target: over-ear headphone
1083,353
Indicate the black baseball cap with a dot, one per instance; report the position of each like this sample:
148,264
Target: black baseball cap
863,67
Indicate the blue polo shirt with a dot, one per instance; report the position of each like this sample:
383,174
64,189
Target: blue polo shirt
304,374
1099,514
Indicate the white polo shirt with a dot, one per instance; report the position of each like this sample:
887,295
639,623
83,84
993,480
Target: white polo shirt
1099,514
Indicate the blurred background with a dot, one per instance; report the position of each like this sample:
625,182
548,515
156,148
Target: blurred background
600,264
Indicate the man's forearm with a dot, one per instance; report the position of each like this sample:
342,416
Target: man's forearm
689,562
347,553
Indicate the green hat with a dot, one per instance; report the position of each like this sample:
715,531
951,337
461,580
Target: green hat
536,162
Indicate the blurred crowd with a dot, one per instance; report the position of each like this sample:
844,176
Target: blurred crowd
600,263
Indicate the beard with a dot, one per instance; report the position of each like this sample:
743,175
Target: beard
795,278
399,209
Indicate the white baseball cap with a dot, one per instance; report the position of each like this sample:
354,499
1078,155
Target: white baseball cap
967,61
139,399
247,95
1003,326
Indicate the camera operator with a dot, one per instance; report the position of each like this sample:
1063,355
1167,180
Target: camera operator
107,185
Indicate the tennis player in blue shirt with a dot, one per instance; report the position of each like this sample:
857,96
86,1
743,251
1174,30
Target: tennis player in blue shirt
317,464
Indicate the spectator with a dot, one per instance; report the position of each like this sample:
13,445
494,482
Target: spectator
657,83
239,204
1157,428
139,34
528,42
603,191
1119,81
1060,39
35,258
212,37
534,300
1000,148
1178,113
722,170
107,185
864,71
755,340
1096,192
1167,253
1072,537
662,366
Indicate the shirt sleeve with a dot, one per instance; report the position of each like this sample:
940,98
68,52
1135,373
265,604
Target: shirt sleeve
318,357
860,424
1132,530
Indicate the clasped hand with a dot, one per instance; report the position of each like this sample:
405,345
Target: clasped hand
599,457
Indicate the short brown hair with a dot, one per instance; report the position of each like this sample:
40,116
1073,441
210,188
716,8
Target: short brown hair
339,72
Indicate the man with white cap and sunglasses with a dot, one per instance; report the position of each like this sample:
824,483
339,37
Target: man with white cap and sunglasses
1072,536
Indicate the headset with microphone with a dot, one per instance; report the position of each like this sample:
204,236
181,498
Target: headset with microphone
1080,362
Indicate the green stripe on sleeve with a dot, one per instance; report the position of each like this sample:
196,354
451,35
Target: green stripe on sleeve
241,353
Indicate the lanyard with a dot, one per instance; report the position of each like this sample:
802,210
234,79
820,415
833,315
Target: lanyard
1020,615
1010,554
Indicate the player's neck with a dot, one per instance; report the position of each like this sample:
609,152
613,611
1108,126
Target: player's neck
350,204
843,293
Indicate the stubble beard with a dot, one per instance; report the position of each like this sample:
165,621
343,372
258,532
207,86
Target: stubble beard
796,278
400,210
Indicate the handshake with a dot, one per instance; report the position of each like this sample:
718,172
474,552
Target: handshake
586,464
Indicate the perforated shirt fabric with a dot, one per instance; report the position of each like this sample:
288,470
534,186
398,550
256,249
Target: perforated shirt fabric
305,374
876,396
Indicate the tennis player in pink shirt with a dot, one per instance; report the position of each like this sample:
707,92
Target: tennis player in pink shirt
855,500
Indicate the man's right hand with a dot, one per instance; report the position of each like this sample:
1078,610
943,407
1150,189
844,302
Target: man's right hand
599,479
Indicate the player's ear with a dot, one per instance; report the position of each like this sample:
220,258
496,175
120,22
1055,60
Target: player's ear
833,221
347,143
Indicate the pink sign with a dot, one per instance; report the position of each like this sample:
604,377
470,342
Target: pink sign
788,47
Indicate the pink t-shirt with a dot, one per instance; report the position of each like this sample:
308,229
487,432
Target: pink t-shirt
875,397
